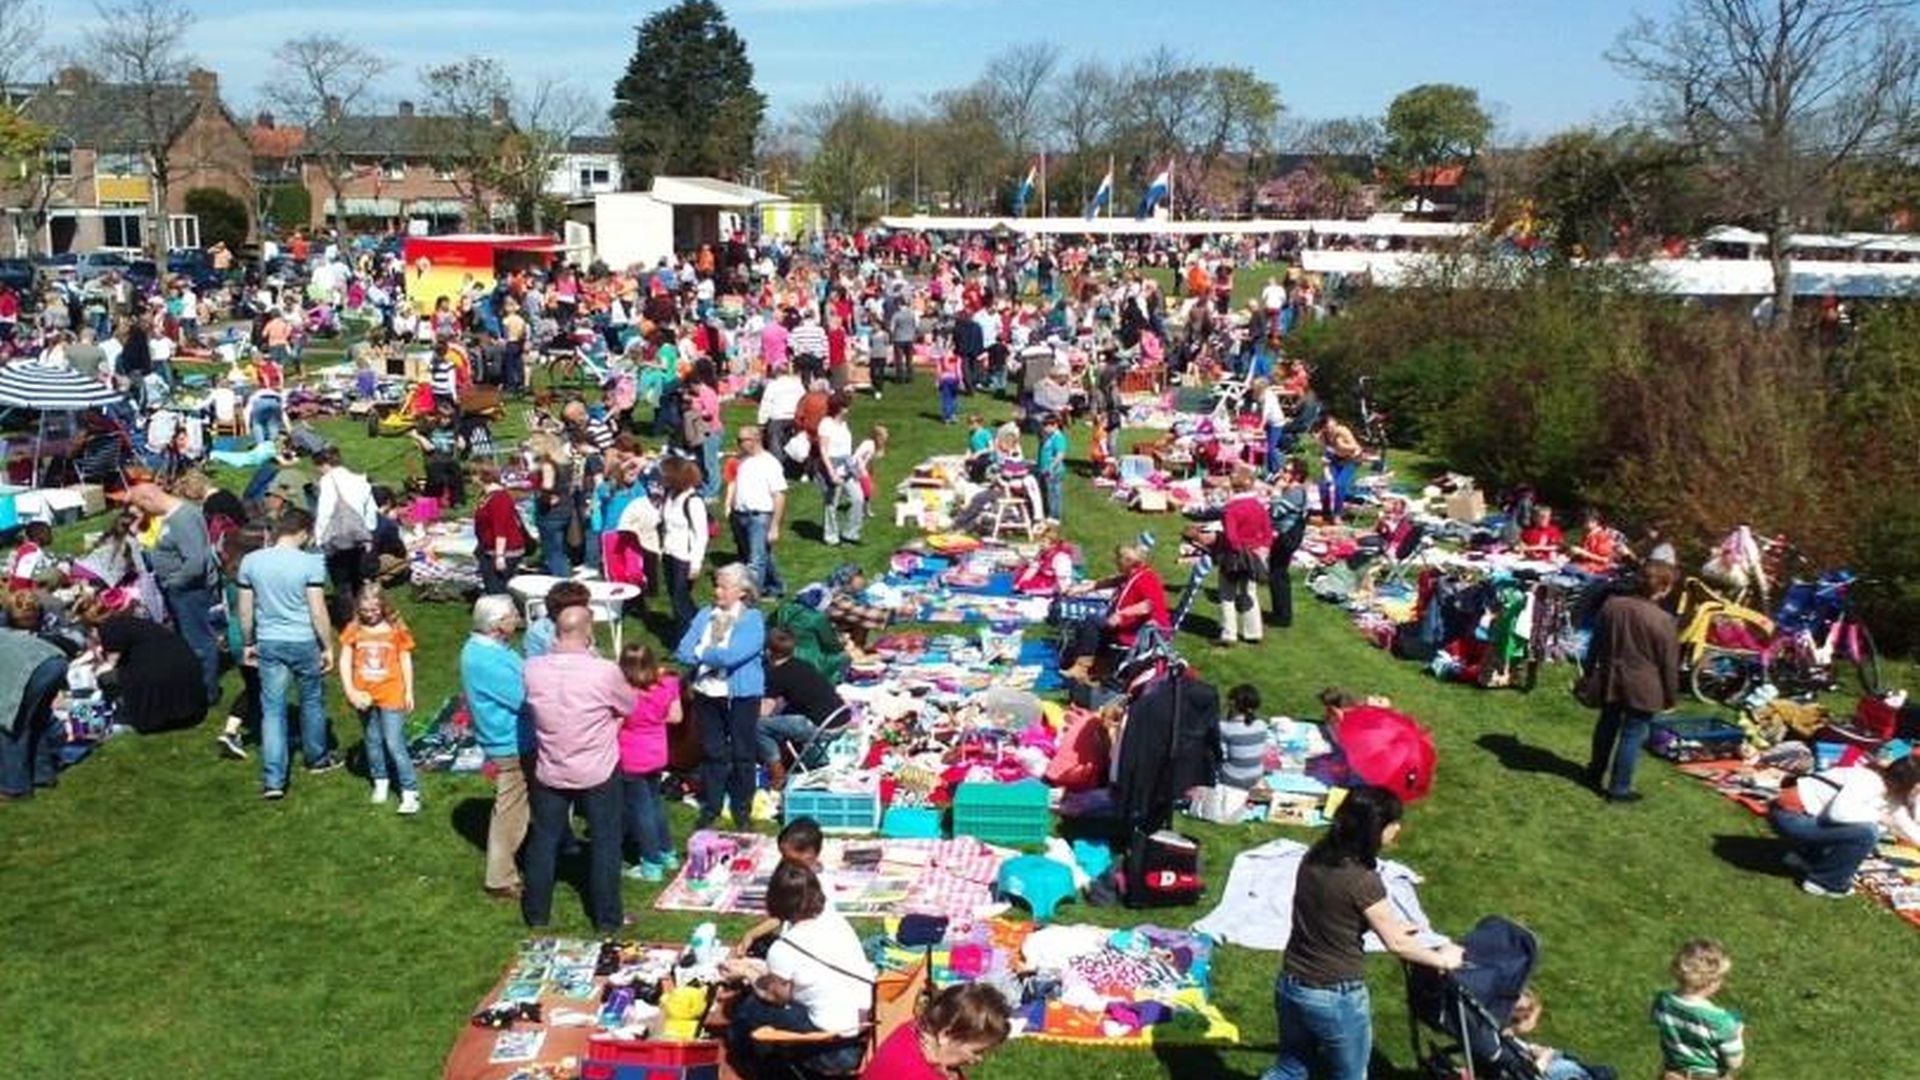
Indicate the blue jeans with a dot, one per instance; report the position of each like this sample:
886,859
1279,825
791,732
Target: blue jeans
1337,487
282,662
1053,486
786,727
728,753
267,420
646,825
949,399
1325,1032
1620,735
710,466
1276,443
553,542
387,742
1832,852
192,611
750,1012
600,805
750,537
30,753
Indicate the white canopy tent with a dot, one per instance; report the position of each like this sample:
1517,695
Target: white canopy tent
1127,226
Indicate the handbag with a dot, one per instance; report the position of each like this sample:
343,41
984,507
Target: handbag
346,529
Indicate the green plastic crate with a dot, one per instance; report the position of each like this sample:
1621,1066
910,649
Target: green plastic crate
1013,814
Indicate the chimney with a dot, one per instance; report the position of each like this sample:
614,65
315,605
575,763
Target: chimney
499,110
332,107
406,110
73,77
204,84
263,120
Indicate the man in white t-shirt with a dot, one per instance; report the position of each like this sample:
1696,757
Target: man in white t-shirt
778,403
1273,296
756,503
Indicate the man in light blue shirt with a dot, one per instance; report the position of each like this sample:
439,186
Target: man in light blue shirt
288,635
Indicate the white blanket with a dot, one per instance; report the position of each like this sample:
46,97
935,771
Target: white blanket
1256,908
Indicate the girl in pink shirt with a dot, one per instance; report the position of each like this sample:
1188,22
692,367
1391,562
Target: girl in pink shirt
643,759
946,373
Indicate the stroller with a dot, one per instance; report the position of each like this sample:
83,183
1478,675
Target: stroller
1467,1010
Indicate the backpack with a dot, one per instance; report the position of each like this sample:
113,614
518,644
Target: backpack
693,427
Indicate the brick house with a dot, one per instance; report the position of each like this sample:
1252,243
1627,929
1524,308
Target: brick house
395,169
97,189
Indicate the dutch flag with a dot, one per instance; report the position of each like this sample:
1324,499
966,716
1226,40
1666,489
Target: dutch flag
1102,195
1025,191
1156,192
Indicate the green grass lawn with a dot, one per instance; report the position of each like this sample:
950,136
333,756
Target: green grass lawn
162,920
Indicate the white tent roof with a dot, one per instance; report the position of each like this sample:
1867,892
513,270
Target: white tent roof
708,191
1127,226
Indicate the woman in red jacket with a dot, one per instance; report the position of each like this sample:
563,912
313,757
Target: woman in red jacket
1139,600
501,536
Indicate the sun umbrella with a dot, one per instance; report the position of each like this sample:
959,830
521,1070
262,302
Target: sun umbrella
50,388
45,388
1387,749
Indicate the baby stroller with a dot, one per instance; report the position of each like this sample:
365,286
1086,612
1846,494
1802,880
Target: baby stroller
1466,1011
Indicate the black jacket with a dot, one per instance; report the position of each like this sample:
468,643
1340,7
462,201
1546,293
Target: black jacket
1161,755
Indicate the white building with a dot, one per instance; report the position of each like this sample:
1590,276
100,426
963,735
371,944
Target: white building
591,166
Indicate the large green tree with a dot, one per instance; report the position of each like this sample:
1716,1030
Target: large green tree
1431,126
687,103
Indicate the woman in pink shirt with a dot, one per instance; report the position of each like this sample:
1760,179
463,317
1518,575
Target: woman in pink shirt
643,759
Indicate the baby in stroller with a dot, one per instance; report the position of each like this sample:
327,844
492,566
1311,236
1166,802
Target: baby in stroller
1481,1011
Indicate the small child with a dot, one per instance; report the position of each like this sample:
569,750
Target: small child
376,671
1243,739
957,1028
946,373
33,559
871,449
979,435
1551,1063
643,759
800,842
1697,1037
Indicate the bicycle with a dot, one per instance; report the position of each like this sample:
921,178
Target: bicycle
1797,652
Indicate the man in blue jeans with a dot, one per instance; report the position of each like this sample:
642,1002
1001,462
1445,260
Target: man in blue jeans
1633,671
284,622
756,502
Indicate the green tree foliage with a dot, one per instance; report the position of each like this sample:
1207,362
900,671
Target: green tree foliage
1622,192
1433,125
286,206
223,216
850,132
687,103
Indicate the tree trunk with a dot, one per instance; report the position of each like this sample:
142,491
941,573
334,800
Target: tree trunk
1780,231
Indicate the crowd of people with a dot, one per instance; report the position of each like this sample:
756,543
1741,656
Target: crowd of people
295,569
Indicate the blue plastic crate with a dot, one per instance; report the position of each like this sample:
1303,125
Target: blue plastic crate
834,811
1015,814
911,823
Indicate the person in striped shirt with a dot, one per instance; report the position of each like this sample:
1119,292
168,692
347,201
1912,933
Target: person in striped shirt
1243,739
1698,1038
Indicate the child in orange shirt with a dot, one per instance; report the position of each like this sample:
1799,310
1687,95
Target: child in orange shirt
376,670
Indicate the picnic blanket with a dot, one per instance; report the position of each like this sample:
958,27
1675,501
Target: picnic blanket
1891,875
864,878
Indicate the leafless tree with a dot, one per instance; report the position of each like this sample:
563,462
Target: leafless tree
1018,80
21,24
545,117
139,45
468,102
1779,96
1084,105
323,79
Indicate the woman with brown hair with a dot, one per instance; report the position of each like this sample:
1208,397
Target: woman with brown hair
683,536
501,537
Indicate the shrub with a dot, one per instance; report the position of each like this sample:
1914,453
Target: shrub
223,216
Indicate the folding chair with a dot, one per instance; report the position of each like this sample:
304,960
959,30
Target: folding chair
814,753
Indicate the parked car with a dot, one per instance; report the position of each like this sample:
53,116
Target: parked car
196,268
54,268
95,264
22,277
143,273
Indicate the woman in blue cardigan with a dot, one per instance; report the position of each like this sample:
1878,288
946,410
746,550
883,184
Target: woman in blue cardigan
723,648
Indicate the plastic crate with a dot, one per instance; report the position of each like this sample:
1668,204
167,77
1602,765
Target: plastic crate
911,823
645,1059
1695,738
835,811
1014,814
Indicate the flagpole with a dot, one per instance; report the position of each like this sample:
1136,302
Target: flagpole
1043,182
1113,190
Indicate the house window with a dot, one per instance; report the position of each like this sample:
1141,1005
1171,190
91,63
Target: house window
60,159
393,170
443,173
594,176
120,230
121,163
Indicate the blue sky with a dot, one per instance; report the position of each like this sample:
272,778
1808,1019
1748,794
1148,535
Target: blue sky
1539,62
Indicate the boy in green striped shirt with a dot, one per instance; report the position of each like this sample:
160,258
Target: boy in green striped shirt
1698,1039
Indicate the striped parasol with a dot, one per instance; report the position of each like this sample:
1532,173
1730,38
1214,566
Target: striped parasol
48,388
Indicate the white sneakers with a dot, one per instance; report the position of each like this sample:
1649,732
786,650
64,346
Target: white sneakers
409,800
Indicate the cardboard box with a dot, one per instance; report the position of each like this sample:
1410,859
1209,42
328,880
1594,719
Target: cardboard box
1468,505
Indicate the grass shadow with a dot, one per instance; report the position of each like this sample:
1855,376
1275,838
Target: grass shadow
471,818
1199,1059
1517,756
1754,854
